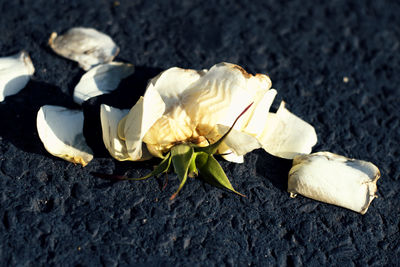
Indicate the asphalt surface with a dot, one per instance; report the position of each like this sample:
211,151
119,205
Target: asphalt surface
53,212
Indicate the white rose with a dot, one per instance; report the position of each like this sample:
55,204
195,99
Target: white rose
198,107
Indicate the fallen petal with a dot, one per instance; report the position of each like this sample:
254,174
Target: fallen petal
334,179
286,135
61,131
15,72
86,46
101,79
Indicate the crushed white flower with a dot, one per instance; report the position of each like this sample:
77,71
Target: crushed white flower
334,179
190,106
15,73
86,46
101,79
61,132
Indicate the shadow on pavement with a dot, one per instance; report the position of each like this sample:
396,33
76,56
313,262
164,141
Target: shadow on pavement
274,168
18,112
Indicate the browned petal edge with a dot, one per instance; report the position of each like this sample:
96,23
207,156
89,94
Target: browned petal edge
365,208
53,36
245,73
248,75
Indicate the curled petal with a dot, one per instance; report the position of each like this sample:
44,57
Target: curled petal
170,84
101,79
221,95
87,46
15,72
61,132
109,123
229,155
286,135
258,116
334,179
140,119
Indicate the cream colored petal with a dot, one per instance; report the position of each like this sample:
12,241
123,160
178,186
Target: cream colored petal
227,154
334,179
87,46
155,150
15,72
173,127
286,135
61,131
232,157
101,79
121,126
239,142
109,123
140,119
220,95
259,115
170,84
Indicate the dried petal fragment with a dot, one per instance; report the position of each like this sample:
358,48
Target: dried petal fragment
334,179
15,72
286,135
101,79
61,131
87,46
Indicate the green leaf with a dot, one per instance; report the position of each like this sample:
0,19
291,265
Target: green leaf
181,160
212,172
212,149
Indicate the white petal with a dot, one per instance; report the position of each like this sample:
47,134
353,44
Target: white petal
140,119
87,46
232,157
109,123
334,179
220,95
227,154
101,79
239,142
258,118
170,84
286,135
15,72
61,131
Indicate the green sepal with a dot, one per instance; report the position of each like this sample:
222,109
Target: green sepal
212,172
181,160
193,172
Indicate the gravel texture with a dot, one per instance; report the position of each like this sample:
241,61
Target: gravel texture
53,212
